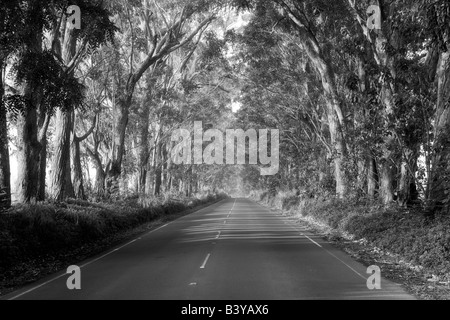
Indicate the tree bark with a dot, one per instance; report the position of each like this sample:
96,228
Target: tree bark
386,163
407,178
77,171
75,152
158,170
169,180
100,181
61,160
5,170
30,151
187,183
143,145
386,182
121,112
439,189
69,189
385,60
100,176
372,178
61,185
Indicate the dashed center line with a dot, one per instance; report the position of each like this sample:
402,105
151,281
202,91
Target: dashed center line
206,261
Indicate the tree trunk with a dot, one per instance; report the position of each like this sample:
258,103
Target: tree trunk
149,181
158,182
143,145
181,186
100,176
407,182
387,170
188,183
372,178
61,185
150,184
335,115
61,161
361,179
366,165
30,151
169,172
100,181
440,189
158,170
142,180
120,123
386,182
386,61
5,172
164,167
77,171
68,188
75,156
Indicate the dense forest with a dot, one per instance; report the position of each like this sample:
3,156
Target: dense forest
359,91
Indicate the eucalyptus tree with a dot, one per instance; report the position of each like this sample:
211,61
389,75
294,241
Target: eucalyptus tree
311,24
168,26
41,86
436,19
10,21
71,46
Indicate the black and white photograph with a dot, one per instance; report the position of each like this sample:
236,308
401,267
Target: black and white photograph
223,158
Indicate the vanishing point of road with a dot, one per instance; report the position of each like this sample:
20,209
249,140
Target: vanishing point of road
233,250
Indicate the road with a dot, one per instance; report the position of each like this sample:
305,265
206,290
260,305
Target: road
235,249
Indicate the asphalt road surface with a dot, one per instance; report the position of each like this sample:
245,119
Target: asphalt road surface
233,250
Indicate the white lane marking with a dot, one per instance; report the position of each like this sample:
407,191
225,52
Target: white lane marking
158,228
218,236
304,235
105,255
114,250
37,287
333,255
359,274
206,261
85,265
224,222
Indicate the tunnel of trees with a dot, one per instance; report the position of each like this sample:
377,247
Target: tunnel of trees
363,112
